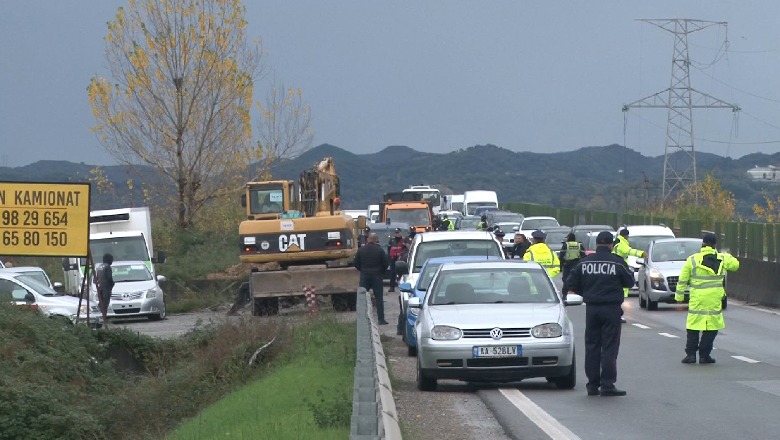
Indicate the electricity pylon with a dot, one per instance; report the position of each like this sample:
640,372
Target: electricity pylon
680,99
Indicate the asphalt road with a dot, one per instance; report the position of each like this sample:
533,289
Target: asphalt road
738,397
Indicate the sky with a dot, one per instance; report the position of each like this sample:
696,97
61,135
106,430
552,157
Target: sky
437,76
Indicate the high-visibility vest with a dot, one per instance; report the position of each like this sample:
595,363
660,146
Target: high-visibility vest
542,254
706,289
572,251
623,250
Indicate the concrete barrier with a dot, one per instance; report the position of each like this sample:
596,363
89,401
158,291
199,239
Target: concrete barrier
373,407
756,282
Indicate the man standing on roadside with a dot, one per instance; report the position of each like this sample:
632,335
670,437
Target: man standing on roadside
705,273
600,279
521,245
105,285
372,262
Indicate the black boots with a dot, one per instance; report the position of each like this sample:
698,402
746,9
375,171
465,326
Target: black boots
610,392
689,359
706,360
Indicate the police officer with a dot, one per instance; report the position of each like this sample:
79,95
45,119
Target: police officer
499,234
446,223
600,279
482,225
521,245
705,273
542,254
372,262
570,254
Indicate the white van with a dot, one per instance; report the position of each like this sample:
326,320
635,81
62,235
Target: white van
474,199
639,237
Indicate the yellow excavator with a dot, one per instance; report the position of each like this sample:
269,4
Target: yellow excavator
302,228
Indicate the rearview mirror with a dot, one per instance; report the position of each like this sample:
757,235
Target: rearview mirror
414,303
573,299
161,278
640,261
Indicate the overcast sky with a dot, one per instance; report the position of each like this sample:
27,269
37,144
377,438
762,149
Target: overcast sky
436,76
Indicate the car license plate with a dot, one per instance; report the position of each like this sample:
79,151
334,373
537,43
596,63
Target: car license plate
497,351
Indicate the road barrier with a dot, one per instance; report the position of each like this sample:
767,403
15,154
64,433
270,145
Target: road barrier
373,406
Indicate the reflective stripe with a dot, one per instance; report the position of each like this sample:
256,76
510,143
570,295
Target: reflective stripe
705,312
708,278
706,285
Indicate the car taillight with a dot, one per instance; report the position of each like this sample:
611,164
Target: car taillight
333,244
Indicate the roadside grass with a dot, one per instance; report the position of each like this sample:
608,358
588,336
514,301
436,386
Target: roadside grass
306,395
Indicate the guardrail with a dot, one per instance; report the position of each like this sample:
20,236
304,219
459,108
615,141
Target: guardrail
373,406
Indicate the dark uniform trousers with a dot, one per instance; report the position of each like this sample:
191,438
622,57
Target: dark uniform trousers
602,341
704,347
374,283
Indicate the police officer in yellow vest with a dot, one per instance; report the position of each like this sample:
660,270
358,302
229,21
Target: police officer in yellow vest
482,225
624,250
704,274
542,254
571,252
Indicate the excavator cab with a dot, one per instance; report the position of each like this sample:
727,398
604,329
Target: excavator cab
270,200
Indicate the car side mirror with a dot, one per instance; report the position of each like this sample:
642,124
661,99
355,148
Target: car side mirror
57,285
573,299
640,261
30,298
161,278
515,228
414,303
401,267
405,287
161,257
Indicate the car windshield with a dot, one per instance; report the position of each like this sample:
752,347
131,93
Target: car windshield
449,248
130,272
590,243
35,276
426,276
41,288
265,200
539,223
469,223
486,286
643,242
121,248
414,217
474,205
674,250
555,239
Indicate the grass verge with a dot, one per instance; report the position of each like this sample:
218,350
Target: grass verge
307,395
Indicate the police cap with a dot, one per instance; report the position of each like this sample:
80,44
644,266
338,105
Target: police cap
604,237
538,234
498,233
710,239
624,232
397,229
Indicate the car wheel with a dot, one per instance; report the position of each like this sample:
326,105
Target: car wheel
651,305
568,381
642,301
424,383
411,351
160,316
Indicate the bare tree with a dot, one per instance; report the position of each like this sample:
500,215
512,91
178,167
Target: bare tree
285,124
180,96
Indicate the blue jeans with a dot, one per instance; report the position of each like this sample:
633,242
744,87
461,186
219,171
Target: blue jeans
374,282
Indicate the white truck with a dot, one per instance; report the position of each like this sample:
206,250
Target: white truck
124,233
474,199
372,214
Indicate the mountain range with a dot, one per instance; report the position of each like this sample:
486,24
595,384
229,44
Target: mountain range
597,177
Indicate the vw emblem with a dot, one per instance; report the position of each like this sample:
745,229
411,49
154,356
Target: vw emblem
125,296
496,333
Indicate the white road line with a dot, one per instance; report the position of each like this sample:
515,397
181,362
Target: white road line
667,335
746,359
540,417
642,326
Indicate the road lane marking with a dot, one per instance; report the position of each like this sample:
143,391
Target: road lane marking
642,326
537,415
667,335
746,359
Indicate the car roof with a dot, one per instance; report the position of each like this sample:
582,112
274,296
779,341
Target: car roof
501,264
454,235
599,227
676,239
22,269
638,230
537,217
556,229
460,258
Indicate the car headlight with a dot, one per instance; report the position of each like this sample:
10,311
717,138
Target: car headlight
657,281
445,333
655,273
151,293
551,330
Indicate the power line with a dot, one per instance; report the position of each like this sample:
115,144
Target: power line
736,88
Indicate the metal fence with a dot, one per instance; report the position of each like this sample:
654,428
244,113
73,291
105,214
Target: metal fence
373,406
759,241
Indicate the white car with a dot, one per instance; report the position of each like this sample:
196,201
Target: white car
24,290
497,321
444,244
639,237
531,224
135,292
36,273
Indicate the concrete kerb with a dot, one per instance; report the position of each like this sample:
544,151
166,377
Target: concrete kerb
374,414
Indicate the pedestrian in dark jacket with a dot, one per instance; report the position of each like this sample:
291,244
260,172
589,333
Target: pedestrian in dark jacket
105,285
570,254
600,279
395,249
372,262
521,246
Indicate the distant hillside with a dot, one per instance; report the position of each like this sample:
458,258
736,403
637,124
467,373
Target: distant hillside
589,177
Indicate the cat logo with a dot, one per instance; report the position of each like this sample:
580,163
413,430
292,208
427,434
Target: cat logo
292,242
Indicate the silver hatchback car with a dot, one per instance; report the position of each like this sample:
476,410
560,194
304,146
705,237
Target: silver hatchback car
494,321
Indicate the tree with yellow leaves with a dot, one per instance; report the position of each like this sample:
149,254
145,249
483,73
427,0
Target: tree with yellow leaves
180,98
706,201
771,212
